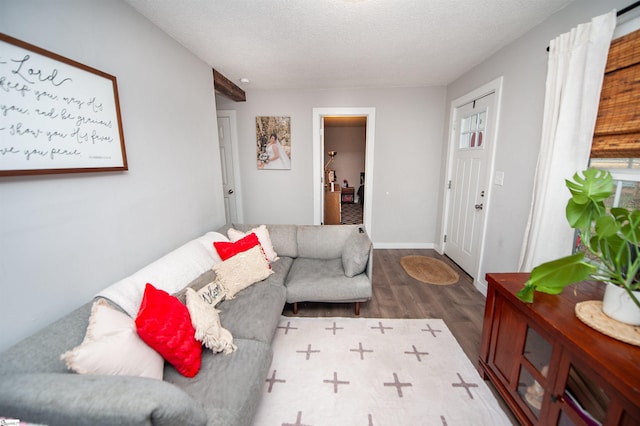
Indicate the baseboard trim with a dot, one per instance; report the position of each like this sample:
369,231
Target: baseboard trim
481,287
404,246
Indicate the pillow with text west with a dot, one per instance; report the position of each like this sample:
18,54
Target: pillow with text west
197,284
206,320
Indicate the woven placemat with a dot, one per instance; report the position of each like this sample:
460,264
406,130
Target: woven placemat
590,313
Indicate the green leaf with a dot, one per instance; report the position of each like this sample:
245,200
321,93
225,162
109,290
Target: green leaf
552,277
595,186
621,214
614,253
587,197
606,226
578,215
526,293
630,221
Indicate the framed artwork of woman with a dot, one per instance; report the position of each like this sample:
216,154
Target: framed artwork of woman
273,143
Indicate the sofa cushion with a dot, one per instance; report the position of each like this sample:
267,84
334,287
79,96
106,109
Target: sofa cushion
79,400
206,321
40,352
317,280
164,324
280,270
112,347
228,387
323,242
263,236
242,270
355,253
255,312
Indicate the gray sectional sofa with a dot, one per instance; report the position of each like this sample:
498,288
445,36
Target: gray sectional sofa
316,263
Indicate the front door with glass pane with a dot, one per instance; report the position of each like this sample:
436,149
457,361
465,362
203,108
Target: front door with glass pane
468,185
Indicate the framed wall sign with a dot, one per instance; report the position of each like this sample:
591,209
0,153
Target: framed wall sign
56,115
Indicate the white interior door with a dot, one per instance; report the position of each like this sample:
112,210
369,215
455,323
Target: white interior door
230,186
469,181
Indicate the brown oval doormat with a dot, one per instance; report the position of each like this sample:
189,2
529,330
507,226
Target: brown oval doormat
429,270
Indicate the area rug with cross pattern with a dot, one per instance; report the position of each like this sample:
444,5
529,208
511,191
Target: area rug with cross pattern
372,372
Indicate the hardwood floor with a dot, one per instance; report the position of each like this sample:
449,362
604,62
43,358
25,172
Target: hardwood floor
397,295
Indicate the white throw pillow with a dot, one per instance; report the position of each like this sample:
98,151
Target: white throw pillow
112,346
206,321
240,271
207,241
263,236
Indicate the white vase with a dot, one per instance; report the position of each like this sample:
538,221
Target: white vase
618,305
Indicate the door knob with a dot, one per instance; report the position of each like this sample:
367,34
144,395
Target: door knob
478,206
230,191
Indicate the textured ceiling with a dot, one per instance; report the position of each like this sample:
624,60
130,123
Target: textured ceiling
345,43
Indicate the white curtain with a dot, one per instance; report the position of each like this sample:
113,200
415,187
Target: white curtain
575,72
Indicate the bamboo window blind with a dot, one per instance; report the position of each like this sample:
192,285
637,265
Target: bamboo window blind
617,130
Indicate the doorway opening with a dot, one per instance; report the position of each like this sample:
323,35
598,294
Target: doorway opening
357,174
344,162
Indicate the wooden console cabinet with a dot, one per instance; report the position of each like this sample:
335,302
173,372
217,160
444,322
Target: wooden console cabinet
332,208
550,367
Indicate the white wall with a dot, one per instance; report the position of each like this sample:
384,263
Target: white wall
65,237
523,65
408,151
350,143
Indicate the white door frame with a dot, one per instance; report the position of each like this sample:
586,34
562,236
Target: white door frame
231,114
494,86
318,159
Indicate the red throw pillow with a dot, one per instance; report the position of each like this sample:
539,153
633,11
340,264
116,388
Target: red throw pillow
163,323
227,250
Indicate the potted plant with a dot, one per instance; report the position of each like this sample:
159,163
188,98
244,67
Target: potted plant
612,239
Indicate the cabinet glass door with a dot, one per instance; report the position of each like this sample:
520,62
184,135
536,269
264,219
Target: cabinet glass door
584,401
534,370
